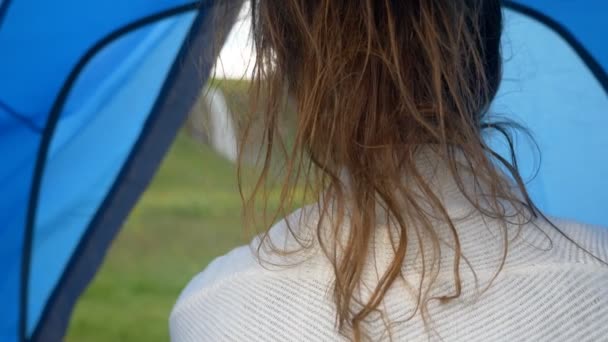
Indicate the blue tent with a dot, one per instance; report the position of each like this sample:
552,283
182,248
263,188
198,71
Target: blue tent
93,93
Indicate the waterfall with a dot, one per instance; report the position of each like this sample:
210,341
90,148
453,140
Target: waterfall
222,131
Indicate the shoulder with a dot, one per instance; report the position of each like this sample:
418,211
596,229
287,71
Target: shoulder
581,228
237,293
243,259
239,260
584,243
258,306
558,241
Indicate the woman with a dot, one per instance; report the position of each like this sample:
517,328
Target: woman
418,229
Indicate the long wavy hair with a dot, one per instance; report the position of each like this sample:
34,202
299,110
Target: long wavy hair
373,82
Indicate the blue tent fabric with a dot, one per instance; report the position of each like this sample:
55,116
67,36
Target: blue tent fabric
93,93
581,25
90,103
555,85
99,137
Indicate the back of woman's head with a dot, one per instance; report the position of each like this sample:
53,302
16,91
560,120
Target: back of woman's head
385,72
373,83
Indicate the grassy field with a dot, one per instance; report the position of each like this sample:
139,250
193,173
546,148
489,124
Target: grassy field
188,216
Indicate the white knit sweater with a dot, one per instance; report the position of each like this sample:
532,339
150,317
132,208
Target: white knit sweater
548,290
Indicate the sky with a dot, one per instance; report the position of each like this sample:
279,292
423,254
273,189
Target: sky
235,58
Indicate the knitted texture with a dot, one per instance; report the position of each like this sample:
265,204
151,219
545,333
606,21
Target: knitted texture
549,288
547,291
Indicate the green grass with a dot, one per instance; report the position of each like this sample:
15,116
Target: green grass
189,215
236,93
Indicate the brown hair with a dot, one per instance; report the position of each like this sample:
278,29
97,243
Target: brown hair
373,82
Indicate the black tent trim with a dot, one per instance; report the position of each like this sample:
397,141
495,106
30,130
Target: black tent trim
181,88
46,139
594,66
3,10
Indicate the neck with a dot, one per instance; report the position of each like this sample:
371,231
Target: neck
431,176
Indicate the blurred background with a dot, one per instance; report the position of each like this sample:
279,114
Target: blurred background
190,214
